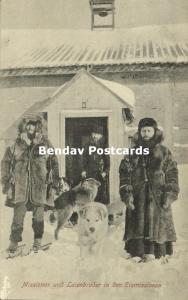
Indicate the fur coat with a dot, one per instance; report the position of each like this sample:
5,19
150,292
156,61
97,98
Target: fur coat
31,172
152,183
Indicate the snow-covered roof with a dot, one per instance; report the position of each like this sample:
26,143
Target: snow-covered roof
61,48
120,90
124,93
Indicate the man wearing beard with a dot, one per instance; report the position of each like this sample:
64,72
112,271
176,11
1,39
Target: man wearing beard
148,187
27,174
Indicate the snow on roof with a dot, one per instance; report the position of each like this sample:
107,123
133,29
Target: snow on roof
60,48
120,90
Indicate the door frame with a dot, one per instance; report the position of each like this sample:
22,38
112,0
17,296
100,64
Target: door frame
85,113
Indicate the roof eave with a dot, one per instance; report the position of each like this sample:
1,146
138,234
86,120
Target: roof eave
107,68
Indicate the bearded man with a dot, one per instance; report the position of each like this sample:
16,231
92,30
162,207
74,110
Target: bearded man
27,174
148,187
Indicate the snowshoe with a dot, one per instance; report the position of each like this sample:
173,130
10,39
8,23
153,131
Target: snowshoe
36,250
18,251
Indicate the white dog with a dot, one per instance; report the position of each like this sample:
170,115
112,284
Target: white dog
92,228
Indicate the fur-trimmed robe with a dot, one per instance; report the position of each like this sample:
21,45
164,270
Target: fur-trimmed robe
149,220
30,170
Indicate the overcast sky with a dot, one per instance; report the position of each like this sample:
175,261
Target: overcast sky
75,14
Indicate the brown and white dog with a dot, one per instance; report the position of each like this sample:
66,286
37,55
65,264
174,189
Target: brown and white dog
73,200
92,228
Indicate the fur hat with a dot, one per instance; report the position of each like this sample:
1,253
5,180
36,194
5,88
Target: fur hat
147,122
34,119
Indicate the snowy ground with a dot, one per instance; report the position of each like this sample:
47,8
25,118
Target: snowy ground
61,264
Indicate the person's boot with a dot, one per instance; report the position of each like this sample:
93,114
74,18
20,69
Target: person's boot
136,259
13,246
37,245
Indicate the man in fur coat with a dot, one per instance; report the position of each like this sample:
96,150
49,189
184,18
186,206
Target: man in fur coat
148,187
27,174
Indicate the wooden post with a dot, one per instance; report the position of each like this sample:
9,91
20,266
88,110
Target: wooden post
113,15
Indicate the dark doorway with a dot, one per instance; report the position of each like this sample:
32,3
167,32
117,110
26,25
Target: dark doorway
78,132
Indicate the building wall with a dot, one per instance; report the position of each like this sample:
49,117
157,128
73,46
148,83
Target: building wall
180,116
163,96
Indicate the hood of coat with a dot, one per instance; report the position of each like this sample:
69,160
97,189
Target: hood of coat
158,153
30,118
22,132
157,139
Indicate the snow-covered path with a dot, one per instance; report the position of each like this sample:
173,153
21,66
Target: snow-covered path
61,266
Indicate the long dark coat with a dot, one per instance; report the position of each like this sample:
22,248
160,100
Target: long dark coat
30,170
94,165
150,179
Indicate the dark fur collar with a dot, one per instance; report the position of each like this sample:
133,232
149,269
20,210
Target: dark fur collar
157,139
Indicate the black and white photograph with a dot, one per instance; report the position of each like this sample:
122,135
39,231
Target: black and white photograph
93,149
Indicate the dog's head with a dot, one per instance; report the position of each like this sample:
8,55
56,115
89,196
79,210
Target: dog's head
90,184
92,216
86,191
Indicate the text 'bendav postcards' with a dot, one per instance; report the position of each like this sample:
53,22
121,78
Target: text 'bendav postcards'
92,149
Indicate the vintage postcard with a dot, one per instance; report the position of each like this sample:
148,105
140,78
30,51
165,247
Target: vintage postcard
93,149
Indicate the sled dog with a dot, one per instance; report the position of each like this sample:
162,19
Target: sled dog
92,228
72,200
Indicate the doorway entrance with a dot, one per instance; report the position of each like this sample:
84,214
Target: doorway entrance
77,135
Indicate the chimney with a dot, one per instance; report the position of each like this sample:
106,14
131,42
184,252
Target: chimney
102,14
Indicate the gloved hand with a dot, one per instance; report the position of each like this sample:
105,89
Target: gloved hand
103,174
83,174
166,203
168,199
130,202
